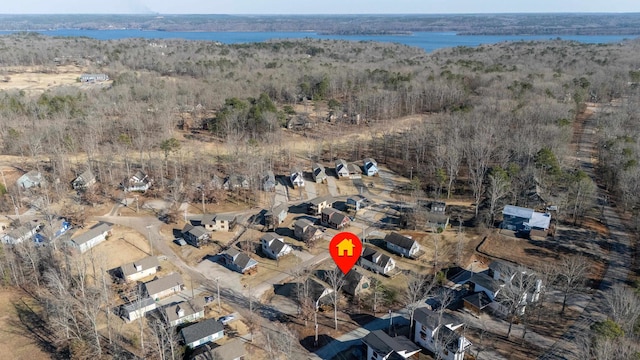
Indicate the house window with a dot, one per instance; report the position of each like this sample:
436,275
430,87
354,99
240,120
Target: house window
423,336
424,328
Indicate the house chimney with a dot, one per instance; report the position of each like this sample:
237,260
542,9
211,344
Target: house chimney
138,267
180,311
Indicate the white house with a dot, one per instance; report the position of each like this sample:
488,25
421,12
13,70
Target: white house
31,179
376,261
140,269
202,333
297,180
138,182
316,205
402,245
319,174
20,234
84,180
137,309
370,167
218,222
274,246
437,333
342,169
184,312
94,236
165,286
381,346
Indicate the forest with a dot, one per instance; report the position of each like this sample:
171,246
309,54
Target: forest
494,122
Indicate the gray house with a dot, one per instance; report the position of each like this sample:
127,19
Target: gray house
202,333
304,230
276,216
316,205
376,261
84,180
94,236
269,181
357,202
381,346
20,234
319,174
31,179
184,312
274,246
137,309
235,182
238,261
402,245
165,286
195,235
140,268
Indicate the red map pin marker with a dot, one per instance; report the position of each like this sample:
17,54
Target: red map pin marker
345,249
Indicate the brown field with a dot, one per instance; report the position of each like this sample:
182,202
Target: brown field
39,79
123,246
16,338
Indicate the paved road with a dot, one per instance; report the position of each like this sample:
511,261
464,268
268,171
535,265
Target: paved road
333,188
619,256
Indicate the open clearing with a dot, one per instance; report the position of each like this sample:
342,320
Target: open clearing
38,79
16,339
123,246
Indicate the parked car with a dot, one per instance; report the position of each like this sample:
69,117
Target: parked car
227,319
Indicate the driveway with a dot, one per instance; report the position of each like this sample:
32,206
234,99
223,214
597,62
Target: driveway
333,188
310,188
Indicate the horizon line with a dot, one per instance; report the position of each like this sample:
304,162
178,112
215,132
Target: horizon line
333,14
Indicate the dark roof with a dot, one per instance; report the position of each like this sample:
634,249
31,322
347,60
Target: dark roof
432,319
303,223
385,344
145,264
240,259
351,281
370,161
275,243
485,281
164,283
318,170
341,163
479,300
501,266
201,330
357,198
434,217
335,215
196,231
372,255
319,199
399,240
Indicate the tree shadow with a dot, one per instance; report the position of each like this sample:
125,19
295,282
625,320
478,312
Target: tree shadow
31,325
310,344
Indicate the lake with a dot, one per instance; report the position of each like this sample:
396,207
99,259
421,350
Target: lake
429,41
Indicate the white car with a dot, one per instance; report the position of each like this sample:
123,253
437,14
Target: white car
227,319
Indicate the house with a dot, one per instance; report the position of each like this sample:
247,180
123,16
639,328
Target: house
402,245
316,205
137,309
235,182
140,269
334,218
436,221
506,272
370,167
345,247
525,221
355,282
304,230
165,286
219,222
436,332
93,77
232,350
376,261
342,169
195,235
357,202
269,181
238,261
53,230
138,182
202,333
476,302
274,246
318,173
94,236
296,178
381,346
20,234
184,312
317,291
486,284
276,215
84,180
31,179
216,183
354,171
437,207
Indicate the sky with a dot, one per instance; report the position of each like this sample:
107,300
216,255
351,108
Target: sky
312,7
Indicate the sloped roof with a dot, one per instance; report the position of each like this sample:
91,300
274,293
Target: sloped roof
399,240
189,307
276,244
93,232
372,255
303,223
385,344
319,200
352,280
432,319
539,220
370,161
201,330
486,281
146,263
517,211
140,304
196,231
353,168
233,349
279,209
318,170
164,283
479,300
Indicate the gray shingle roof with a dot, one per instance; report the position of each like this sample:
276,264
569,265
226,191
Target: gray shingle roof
432,319
164,283
385,344
399,240
351,281
373,255
145,264
189,308
486,281
140,304
201,330
93,232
